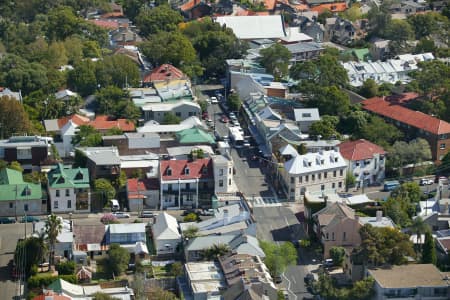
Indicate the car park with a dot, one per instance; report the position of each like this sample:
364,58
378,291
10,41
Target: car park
121,215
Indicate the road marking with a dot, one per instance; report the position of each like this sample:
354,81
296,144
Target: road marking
289,286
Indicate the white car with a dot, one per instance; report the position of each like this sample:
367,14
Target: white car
426,181
121,215
214,100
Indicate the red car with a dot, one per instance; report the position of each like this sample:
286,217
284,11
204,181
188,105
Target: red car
224,119
205,116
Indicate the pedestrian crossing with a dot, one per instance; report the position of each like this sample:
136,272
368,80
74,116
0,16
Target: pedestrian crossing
265,201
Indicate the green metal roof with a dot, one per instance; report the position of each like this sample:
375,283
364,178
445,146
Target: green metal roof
12,187
65,177
362,54
194,135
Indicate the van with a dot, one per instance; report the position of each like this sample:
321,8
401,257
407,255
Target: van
391,185
114,205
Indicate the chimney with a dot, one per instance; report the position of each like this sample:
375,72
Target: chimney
379,215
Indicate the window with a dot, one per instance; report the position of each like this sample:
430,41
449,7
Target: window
10,205
319,176
300,179
292,190
169,172
25,207
178,114
67,193
322,161
327,236
332,236
325,174
220,172
333,185
191,114
322,187
229,181
169,187
442,146
340,184
24,153
69,203
335,159
357,163
186,171
344,236
188,186
55,204
57,193
292,179
341,172
229,171
306,178
334,173
313,177
205,170
221,183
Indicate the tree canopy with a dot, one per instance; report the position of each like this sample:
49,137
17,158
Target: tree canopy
159,19
278,257
118,258
275,60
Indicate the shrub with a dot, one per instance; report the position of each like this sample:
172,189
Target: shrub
190,218
109,219
46,280
305,243
66,268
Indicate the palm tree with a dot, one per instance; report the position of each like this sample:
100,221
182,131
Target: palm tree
419,227
41,237
53,227
191,232
215,251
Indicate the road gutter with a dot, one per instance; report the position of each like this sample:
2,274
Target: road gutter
289,286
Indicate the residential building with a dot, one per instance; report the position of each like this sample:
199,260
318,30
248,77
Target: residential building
166,235
390,71
204,279
65,95
194,136
413,281
194,9
5,92
124,36
165,131
314,172
294,35
64,239
377,221
182,109
164,73
142,193
102,162
379,49
304,51
414,124
336,225
29,151
238,243
223,174
17,197
131,143
90,239
254,27
186,183
334,7
342,31
304,117
314,30
69,189
145,164
126,234
366,161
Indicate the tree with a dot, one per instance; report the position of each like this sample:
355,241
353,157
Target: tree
104,187
158,19
324,15
13,118
160,294
234,102
103,296
419,227
429,251
35,177
379,19
170,118
66,268
82,79
301,149
118,70
369,88
362,289
215,250
278,257
112,101
87,136
337,254
414,152
53,227
432,80
191,232
379,132
176,269
350,181
399,32
353,122
62,23
424,25
275,60
329,100
15,165
325,128
191,217
28,253
353,13
118,258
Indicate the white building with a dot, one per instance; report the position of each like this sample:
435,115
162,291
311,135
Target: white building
166,236
182,109
314,172
304,117
205,279
254,27
366,161
223,174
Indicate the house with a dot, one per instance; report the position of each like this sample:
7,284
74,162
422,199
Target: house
142,193
65,95
126,234
145,164
294,35
205,280
377,221
102,162
314,172
18,197
194,136
29,151
134,143
64,239
409,7
90,239
334,7
124,36
341,31
166,235
304,51
254,27
182,109
69,189
80,292
238,243
314,30
304,117
186,183
422,281
105,123
414,124
50,295
336,225
379,49
195,9
366,161
163,73
223,174
5,92
165,131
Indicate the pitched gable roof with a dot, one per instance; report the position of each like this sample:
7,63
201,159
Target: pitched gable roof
164,72
335,210
165,227
359,149
407,116
13,187
333,7
199,168
65,177
76,119
105,123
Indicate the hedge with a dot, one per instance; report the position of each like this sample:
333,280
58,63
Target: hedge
38,281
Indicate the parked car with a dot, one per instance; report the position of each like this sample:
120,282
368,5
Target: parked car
277,279
121,215
29,219
205,116
214,100
146,214
426,181
224,119
6,220
309,278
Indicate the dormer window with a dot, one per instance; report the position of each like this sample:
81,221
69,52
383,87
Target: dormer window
205,170
61,180
169,172
335,159
309,164
322,161
79,175
27,191
186,171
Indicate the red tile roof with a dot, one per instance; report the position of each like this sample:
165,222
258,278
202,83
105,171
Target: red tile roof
164,72
144,185
359,149
111,25
189,5
50,295
333,7
270,4
76,119
402,98
105,123
407,116
196,169
114,14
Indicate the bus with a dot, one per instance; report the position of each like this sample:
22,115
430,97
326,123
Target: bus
237,137
391,185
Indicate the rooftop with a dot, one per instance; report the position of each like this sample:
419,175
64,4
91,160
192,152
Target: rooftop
102,156
409,276
205,277
254,27
12,187
359,150
165,227
186,169
313,162
326,215
407,116
164,72
195,136
306,114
